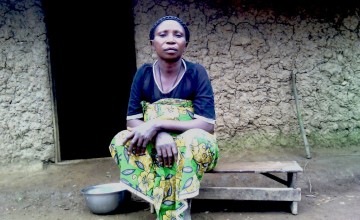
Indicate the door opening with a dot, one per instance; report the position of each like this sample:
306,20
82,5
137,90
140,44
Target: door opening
92,70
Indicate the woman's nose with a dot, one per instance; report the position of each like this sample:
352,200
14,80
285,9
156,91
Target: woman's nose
170,39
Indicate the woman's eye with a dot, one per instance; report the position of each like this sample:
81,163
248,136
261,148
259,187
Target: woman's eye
176,35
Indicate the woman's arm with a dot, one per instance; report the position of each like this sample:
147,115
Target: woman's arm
144,132
165,146
181,126
141,133
134,123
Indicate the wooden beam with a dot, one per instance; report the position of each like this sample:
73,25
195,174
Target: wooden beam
257,167
250,193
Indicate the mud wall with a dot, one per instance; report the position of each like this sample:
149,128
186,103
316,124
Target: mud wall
26,110
251,50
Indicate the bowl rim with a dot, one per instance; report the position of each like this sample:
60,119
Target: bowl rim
115,188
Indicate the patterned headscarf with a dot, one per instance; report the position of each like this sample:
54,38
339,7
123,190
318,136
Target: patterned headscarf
158,22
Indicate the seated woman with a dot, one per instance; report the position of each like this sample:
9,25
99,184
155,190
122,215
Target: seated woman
169,143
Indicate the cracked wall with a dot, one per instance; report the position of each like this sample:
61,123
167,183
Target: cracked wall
26,127
252,48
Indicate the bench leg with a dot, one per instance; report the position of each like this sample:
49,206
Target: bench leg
152,209
294,208
187,213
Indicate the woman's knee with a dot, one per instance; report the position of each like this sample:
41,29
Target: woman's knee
198,133
119,138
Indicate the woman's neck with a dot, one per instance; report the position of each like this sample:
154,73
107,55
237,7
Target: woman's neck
167,68
168,74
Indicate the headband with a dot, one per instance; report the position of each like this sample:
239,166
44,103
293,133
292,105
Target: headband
158,22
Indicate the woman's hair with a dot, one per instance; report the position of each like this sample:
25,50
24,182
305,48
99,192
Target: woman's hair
174,18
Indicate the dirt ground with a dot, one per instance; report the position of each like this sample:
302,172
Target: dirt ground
330,187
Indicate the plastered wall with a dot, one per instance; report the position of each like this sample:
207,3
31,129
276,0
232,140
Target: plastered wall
26,109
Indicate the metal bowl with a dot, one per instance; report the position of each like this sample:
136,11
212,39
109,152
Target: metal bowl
105,198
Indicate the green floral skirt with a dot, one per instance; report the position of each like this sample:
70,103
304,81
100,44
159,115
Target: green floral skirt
167,187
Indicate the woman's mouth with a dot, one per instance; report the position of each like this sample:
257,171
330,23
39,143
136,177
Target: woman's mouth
170,50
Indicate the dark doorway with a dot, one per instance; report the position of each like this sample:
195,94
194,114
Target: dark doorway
92,57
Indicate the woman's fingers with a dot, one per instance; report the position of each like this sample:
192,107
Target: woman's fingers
143,147
164,156
132,142
127,138
167,154
139,145
175,153
170,157
159,154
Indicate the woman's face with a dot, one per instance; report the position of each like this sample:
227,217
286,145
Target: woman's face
169,40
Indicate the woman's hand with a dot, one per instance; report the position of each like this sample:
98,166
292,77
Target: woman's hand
140,136
166,149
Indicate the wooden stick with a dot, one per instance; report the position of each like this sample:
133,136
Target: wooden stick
301,124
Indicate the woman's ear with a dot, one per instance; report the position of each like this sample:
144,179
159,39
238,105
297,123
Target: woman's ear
152,44
185,48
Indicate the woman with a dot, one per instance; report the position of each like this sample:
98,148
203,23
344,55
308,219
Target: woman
169,143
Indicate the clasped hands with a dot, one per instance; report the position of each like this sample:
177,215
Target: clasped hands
146,132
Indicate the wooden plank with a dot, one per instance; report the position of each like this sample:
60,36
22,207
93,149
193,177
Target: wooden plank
257,167
249,193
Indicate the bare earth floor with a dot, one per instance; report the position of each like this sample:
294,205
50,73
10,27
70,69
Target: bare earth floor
330,186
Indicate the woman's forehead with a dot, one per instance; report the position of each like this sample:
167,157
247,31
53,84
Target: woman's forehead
170,25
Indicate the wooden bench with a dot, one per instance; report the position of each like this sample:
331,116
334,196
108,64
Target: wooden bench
289,192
